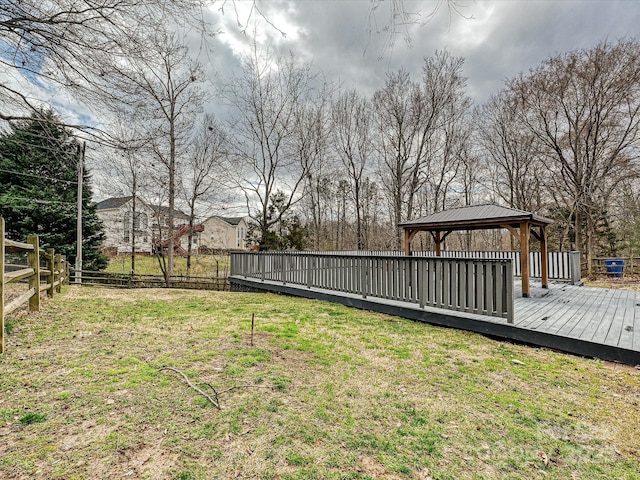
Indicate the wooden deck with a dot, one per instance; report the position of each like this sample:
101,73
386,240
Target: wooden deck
588,321
603,316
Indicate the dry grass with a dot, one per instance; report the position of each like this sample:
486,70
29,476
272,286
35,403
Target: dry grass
201,265
343,394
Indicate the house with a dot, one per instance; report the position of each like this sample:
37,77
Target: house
161,217
224,233
180,221
151,222
115,214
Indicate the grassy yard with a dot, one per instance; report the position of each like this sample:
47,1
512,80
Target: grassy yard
325,392
201,265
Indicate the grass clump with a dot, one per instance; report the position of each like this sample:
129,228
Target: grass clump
32,417
323,392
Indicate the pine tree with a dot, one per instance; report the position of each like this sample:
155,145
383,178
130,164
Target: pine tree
38,175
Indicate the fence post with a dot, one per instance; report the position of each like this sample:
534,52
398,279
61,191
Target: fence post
1,285
34,280
66,270
51,266
59,273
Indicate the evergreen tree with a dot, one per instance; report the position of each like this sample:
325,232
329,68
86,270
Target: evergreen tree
38,174
285,232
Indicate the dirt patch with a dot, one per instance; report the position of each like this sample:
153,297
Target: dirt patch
370,466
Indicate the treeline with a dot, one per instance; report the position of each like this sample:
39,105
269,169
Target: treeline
560,140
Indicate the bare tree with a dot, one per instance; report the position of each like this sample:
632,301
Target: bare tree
514,152
158,85
268,100
584,108
351,140
418,128
201,170
127,168
400,130
62,42
312,134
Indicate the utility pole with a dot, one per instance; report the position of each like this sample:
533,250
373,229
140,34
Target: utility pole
81,150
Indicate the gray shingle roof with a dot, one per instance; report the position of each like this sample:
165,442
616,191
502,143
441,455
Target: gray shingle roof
163,210
475,216
114,202
232,220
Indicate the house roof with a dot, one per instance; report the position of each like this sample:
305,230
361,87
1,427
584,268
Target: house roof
233,221
473,218
114,202
162,210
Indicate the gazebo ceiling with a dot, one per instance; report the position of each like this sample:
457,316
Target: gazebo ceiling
475,217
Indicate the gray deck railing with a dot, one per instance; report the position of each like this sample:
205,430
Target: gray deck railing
562,265
480,286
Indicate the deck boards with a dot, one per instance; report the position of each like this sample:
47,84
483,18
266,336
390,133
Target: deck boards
598,315
590,321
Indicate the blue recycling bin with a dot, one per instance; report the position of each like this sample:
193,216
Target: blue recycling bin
615,267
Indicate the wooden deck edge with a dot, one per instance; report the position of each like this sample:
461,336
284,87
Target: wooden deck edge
485,327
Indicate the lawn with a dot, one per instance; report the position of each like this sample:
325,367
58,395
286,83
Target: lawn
324,392
201,265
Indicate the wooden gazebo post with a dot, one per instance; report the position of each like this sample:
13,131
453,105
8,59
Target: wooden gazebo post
525,229
544,260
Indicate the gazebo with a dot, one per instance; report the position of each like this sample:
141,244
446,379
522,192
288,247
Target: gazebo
521,224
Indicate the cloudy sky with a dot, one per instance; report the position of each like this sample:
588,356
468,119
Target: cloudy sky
351,44
498,39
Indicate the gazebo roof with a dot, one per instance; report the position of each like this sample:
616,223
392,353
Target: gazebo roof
475,217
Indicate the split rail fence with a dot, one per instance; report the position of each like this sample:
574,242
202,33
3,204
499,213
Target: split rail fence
126,280
37,278
480,286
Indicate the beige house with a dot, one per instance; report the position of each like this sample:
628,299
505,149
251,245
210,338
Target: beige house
116,214
224,233
151,222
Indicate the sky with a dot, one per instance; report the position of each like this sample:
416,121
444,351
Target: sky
348,43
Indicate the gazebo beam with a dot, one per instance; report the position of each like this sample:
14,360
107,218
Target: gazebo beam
511,229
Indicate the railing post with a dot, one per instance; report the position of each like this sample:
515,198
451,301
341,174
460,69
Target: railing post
1,285
363,276
574,267
51,266
509,292
34,280
421,286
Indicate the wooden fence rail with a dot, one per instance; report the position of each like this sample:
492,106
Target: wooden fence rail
49,279
477,286
126,280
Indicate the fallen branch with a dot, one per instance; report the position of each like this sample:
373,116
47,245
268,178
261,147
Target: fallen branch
214,402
